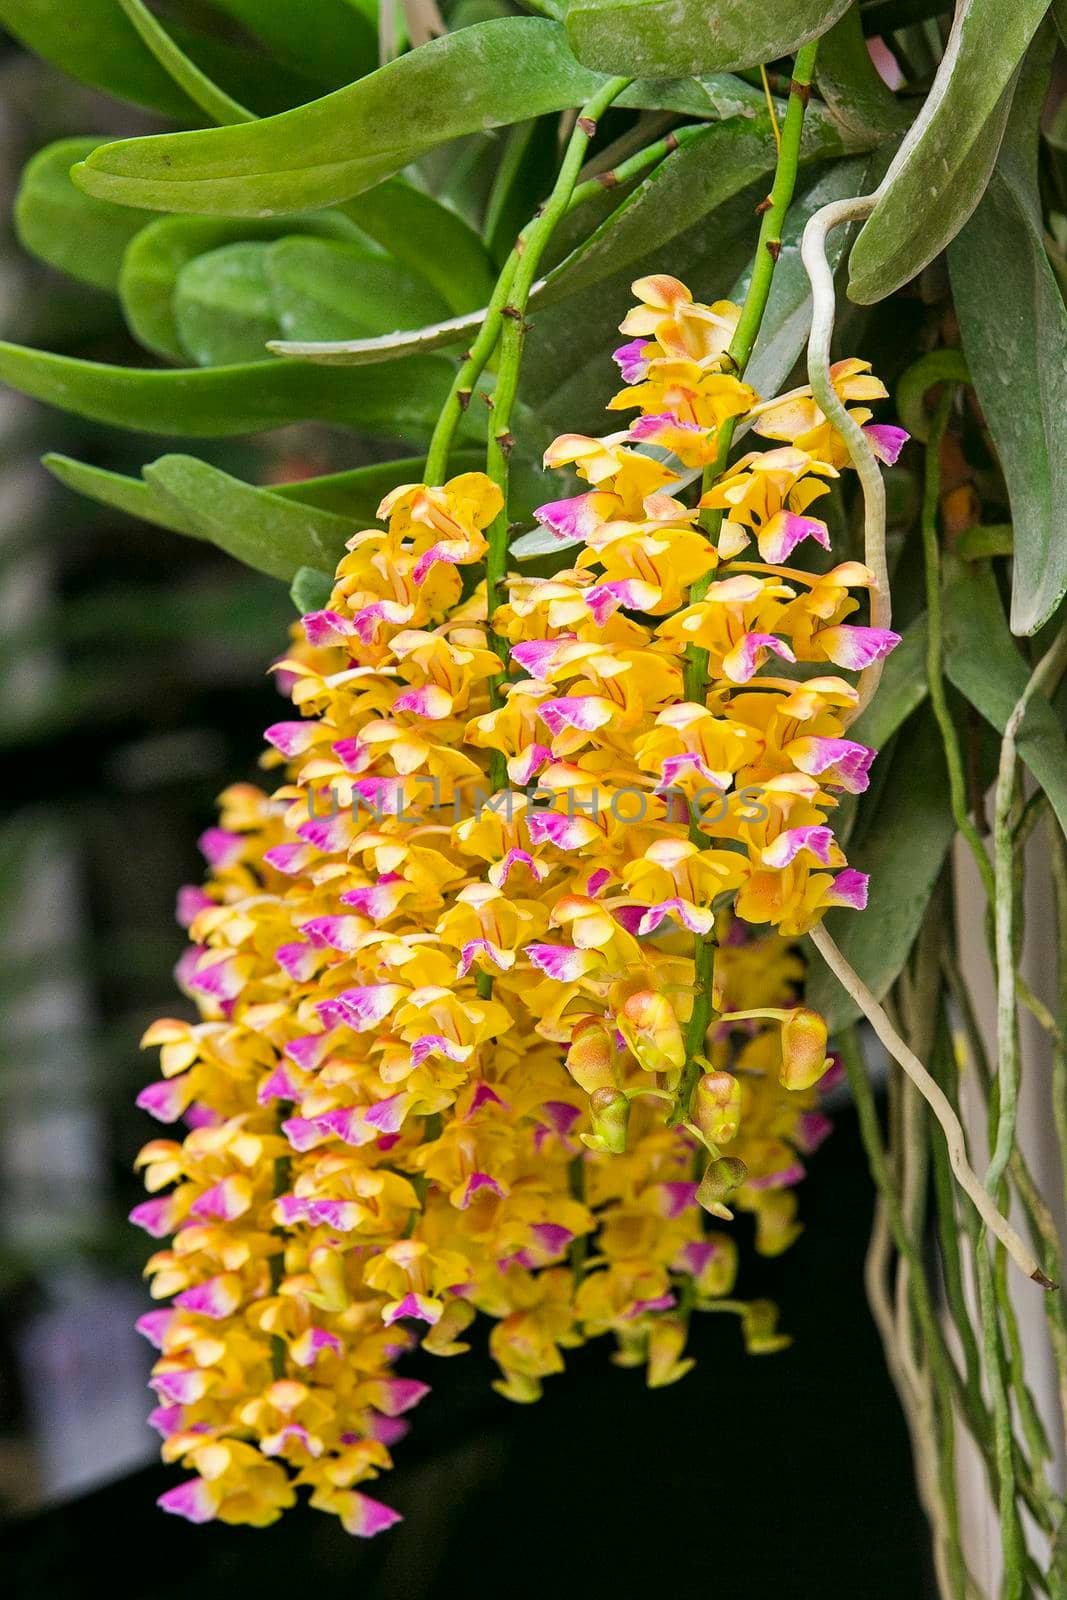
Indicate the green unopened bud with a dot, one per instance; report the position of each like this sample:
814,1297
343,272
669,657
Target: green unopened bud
721,1178
611,1119
717,1106
759,1327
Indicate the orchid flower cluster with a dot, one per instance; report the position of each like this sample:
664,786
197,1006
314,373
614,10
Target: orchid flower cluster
445,1062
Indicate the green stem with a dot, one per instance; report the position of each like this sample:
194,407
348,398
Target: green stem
1012,1543
481,350
942,1369
697,1029
768,248
512,340
957,782
279,1350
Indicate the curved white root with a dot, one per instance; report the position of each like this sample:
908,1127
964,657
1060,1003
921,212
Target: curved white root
824,307
938,1102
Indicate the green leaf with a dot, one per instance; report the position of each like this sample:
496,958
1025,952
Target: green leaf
524,175
711,167
223,306
310,589
857,97
942,167
487,76
94,42
65,227
399,401
158,253
429,238
902,690
368,352
262,529
983,661
354,495
986,540
329,40
229,303
214,102
128,495
1059,13
1013,324
683,38
903,849
324,289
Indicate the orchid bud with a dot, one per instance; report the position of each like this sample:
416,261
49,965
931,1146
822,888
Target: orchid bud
721,1178
611,1117
717,1106
759,1329
590,1059
648,1024
804,1058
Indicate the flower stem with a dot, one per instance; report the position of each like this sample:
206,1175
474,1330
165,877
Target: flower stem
475,362
531,248
697,1028
768,249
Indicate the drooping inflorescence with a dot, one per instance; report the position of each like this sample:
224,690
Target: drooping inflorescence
498,1003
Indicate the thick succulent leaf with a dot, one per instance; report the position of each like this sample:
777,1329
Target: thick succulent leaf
367,352
95,42
857,97
214,102
310,589
683,38
903,848
983,661
902,690
1013,324
67,228
487,76
157,255
223,306
324,289
265,531
716,164
394,402
524,174
329,40
402,219
942,167
785,323
131,496
354,495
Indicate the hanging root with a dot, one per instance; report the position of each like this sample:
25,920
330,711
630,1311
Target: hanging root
824,306
938,1102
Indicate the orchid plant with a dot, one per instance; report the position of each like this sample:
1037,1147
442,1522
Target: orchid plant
530,962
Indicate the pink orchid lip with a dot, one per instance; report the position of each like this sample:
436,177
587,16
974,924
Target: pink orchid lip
631,360
849,889
886,441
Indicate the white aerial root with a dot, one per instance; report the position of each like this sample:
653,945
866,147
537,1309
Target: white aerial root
936,1099
824,307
